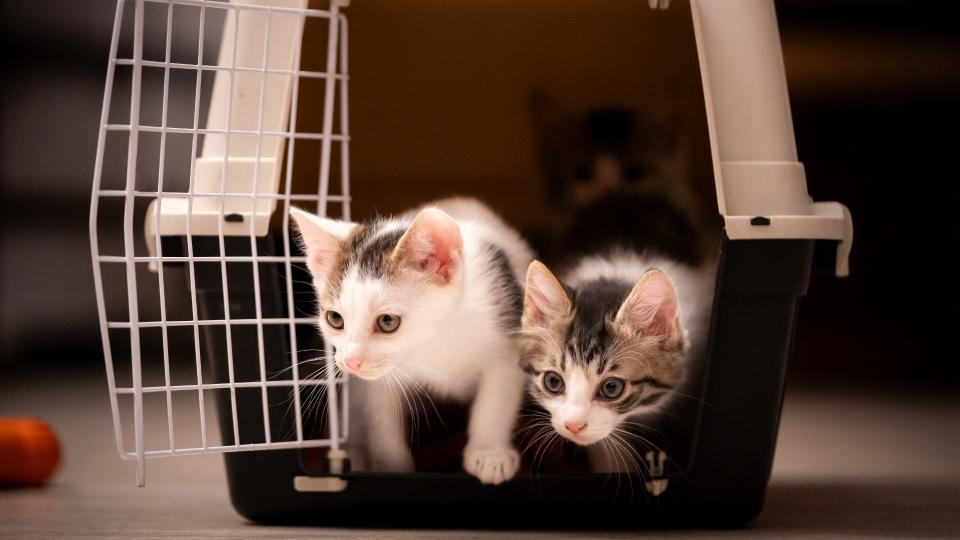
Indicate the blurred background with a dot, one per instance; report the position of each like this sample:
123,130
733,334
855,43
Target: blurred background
452,97
501,99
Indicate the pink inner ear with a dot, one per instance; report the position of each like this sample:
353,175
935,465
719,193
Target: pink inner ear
321,246
320,262
544,298
439,261
652,307
538,303
434,246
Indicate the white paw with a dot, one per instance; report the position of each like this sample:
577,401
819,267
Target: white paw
491,466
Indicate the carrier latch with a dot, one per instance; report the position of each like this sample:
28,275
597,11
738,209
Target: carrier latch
326,484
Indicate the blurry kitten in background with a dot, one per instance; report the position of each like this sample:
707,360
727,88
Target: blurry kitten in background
610,345
634,221
427,301
585,156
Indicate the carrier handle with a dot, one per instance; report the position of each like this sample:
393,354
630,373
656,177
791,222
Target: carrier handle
761,185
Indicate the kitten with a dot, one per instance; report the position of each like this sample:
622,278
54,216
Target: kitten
616,342
586,155
430,299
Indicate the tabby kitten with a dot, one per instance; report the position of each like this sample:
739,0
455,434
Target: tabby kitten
587,154
429,300
616,343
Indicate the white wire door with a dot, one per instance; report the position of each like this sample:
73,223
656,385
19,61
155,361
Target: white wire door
214,122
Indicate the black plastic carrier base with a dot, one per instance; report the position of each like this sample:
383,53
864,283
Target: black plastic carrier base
721,482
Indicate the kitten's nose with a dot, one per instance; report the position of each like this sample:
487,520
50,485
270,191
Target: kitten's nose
575,427
353,362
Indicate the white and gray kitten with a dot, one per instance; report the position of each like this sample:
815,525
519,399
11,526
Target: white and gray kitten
430,300
615,345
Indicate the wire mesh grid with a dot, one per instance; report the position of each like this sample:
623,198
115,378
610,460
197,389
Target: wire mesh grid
201,292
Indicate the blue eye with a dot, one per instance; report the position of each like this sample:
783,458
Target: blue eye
553,382
611,388
334,319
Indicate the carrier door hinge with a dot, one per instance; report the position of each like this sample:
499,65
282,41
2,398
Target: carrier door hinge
327,484
656,483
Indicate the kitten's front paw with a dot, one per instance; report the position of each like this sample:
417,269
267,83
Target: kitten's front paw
491,466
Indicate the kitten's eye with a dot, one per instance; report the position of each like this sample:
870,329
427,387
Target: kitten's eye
334,319
611,388
553,382
388,324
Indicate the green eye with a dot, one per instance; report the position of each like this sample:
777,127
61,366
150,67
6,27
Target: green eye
334,319
611,388
553,382
388,324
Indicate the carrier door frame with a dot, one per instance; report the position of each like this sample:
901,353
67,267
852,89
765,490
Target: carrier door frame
761,185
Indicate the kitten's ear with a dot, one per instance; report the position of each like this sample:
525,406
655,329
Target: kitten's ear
320,238
544,302
652,308
432,246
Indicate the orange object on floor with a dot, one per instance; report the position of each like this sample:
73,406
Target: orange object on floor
29,452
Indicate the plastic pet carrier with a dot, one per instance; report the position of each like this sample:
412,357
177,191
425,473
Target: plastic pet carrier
208,184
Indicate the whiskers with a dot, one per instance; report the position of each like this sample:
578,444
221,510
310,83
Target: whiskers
620,453
690,397
543,437
412,401
322,358
411,393
312,395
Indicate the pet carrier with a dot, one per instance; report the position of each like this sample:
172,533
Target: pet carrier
210,181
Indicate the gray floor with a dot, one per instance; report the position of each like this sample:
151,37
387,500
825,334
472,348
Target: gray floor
848,465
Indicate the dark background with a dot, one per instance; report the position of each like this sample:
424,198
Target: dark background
874,88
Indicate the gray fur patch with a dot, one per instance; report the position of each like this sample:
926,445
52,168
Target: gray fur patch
508,290
594,305
369,248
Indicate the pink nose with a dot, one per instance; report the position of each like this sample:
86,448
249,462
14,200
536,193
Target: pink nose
575,427
354,362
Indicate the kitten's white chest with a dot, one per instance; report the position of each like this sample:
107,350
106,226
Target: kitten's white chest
451,375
